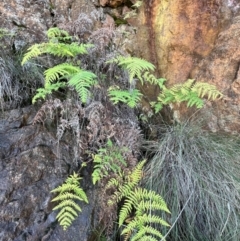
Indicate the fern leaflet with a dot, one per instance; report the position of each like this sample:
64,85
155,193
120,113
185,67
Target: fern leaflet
68,192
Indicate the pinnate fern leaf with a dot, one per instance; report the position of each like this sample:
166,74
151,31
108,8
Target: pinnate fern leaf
82,81
43,92
129,97
191,92
58,34
64,70
109,159
139,201
135,66
68,192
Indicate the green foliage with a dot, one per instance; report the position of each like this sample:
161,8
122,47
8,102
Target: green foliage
136,67
68,192
129,97
60,71
139,201
82,82
60,45
43,92
109,159
191,92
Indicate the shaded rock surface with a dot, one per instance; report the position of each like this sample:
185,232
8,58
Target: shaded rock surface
32,163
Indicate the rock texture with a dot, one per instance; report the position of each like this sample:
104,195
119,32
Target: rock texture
194,39
29,170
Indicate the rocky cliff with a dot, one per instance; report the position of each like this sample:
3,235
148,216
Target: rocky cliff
183,38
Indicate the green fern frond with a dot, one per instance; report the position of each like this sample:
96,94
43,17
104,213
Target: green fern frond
205,89
134,66
137,173
67,195
67,209
68,192
55,47
59,34
82,81
109,159
33,52
43,92
64,70
191,92
129,97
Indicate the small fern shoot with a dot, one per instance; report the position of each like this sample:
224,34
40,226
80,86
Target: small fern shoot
68,192
129,97
43,92
109,159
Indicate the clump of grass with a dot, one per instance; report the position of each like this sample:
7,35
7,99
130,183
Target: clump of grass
18,84
198,175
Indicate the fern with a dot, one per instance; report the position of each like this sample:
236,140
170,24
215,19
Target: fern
191,92
56,34
69,191
56,46
129,97
82,81
139,201
129,183
135,66
43,92
107,160
61,71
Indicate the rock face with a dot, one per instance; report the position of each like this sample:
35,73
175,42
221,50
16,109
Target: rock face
195,39
29,170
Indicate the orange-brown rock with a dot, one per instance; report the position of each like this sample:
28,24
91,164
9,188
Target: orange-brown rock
194,39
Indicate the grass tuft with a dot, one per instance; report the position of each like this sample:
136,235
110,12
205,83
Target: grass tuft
198,175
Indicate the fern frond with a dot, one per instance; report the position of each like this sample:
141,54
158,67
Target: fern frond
68,192
59,34
64,70
126,210
54,48
136,174
131,97
109,159
67,209
67,195
69,203
134,66
145,231
190,91
43,92
205,89
82,81
32,52
152,197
